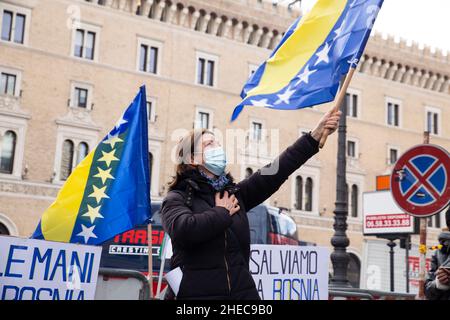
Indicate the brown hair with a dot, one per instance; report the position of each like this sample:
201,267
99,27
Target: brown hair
184,153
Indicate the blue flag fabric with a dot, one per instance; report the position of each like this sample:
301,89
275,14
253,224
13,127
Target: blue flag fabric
317,50
109,191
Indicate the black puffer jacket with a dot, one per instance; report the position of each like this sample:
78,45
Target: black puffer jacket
211,247
441,258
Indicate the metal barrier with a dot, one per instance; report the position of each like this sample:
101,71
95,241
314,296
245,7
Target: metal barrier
348,295
387,295
365,294
121,284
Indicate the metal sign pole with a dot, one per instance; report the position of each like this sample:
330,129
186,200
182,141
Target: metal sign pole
407,241
391,245
150,258
423,243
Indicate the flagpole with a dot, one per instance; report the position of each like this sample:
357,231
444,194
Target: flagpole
161,269
150,258
339,101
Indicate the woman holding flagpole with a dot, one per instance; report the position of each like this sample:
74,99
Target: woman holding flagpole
204,212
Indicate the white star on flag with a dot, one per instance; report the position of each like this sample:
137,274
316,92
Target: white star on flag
304,77
284,97
338,31
260,103
87,233
323,55
121,121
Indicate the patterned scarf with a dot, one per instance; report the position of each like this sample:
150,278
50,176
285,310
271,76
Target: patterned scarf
217,183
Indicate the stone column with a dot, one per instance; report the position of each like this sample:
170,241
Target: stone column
424,79
226,29
172,14
391,72
237,31
399,74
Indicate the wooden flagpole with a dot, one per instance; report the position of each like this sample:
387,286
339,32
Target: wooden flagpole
150,258
338,103
161,268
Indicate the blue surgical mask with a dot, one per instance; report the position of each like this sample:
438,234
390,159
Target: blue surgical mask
215,160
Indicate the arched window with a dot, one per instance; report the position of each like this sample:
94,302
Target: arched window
308,194
150,163
8,148
354,270
3,229
150,166
298,193
82,152
66,160
347,197
248,172
354,201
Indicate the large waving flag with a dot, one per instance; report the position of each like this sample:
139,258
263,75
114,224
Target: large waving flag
108,192
316,51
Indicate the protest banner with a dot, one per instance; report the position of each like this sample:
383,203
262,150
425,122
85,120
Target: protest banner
283,272
45,270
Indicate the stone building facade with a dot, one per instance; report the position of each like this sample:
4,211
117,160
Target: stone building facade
66,80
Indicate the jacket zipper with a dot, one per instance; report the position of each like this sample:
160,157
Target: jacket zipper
226,264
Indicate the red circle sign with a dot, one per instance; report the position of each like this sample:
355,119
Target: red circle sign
420,180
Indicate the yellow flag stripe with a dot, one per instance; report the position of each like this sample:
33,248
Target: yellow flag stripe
298,49
58,220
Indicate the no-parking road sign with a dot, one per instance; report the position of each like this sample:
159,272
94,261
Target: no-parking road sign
420,180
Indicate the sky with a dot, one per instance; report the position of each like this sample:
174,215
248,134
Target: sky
424,21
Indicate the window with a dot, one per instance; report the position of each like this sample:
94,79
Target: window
305,190
7,152
14,23
3,229
70,159
81,97
85,41
353,194
149,56
84,44
303,194
351,149
151,109
354,270
7,25
8,84
83,151
392,155
206,69
354,201
154,166
351,101
148,59
256,131
308,194
435,221
66,160
203,119
432,124
393,113
150,166
298,193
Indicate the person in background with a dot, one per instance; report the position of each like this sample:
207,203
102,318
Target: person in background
437,284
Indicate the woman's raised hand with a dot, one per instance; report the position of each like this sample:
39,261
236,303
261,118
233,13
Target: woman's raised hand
228,202
329,121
